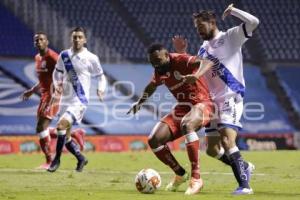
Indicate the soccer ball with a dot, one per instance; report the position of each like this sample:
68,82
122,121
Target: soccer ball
147,181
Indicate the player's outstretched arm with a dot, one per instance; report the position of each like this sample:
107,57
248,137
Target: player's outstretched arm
204,66
102,83
27,94
148,91
251,22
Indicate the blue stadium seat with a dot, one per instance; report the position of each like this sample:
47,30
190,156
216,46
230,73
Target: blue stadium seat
16,38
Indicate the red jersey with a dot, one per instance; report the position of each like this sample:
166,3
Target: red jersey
44,66
183,92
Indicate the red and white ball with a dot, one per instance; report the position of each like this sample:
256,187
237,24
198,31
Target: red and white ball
147,181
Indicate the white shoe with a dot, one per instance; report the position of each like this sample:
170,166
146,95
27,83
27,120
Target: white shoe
176,182
195,186
242,191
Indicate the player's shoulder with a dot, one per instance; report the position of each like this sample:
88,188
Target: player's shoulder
87,53
233,29
52,54
65,51
179,56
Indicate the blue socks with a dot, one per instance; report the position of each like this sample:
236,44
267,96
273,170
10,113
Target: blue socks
74,149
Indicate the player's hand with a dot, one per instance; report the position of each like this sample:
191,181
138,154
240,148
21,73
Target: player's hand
26,95
180,44
189,79
100,95
227,11
134,108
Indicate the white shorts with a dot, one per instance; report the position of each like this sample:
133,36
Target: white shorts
73,113
228,114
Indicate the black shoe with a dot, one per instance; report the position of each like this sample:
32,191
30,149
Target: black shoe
54,165
81,164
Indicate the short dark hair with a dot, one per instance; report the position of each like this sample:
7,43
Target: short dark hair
155,47
205,15
41,33
78,29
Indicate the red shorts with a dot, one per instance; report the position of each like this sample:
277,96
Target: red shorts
173,119
48,109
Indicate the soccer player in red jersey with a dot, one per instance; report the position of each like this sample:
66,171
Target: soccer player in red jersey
190,114
45,62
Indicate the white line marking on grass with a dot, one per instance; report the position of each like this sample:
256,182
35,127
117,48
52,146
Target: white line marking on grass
116,172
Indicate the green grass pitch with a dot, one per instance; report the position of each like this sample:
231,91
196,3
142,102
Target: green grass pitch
111,176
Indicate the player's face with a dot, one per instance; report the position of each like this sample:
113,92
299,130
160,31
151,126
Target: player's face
160,60
40,42
205,29
78,40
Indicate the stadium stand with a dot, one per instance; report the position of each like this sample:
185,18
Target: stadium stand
169,19
289,77
160,21
16,37
278,32
104,23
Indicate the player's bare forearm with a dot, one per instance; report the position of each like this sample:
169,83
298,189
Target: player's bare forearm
27,94
148,91
205,65
35,87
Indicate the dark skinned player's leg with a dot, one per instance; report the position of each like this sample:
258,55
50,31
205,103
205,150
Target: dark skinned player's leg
157,140
190,123
43,132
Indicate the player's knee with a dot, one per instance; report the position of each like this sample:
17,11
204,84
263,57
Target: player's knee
155,141
212,151
39,128
187,127
63,125
227,143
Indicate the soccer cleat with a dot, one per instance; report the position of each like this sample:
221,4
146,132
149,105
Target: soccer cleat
44,166
194,187
81,164
242,191
54,165
249,171
176,182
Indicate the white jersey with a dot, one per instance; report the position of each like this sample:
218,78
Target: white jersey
225,79
77,70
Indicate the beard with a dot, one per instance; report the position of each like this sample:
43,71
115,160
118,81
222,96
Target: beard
163,69
208,36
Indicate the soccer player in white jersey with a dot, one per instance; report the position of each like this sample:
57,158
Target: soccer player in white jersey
72,77
226,84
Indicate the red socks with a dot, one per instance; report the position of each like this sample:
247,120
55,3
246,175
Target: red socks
192,147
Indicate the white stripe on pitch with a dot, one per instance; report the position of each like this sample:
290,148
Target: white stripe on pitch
117,172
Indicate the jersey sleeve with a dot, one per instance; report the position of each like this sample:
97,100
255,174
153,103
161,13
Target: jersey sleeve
53,59
59,67
155,79
96,68
238,35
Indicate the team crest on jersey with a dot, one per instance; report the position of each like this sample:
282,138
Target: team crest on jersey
218,43
66,59
84,61
177,75
168,74
43,67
